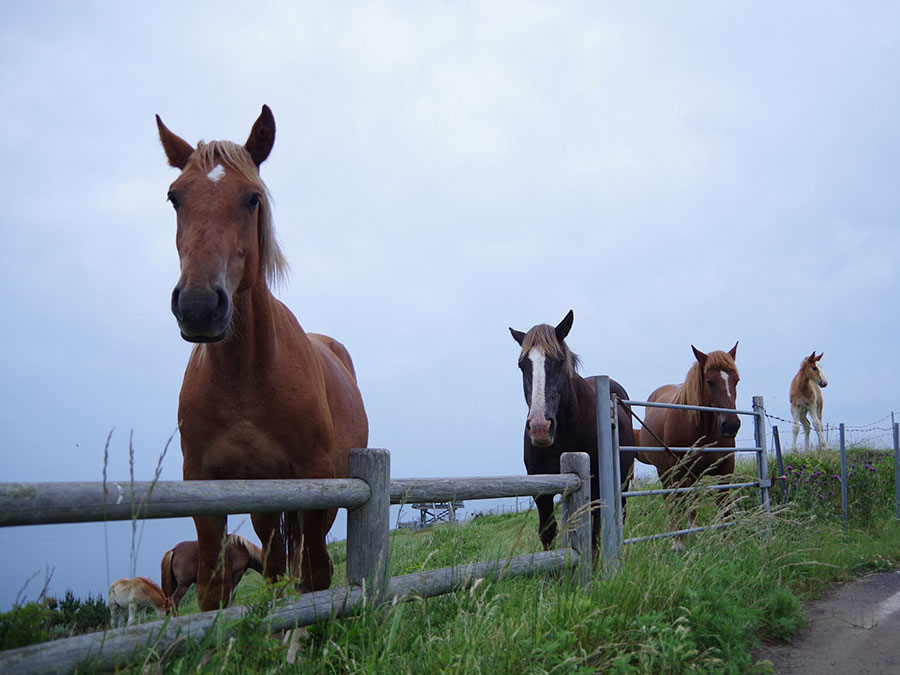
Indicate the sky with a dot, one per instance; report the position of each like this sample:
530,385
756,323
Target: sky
677,174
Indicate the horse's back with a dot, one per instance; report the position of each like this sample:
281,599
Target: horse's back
655,418
344,398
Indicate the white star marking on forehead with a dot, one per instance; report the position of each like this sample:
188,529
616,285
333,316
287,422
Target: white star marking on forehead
217,172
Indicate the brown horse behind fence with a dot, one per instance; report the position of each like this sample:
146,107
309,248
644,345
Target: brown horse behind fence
711,381
178,568
261,398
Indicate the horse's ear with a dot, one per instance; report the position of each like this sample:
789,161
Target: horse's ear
733,351
564,326
178,150
700,356
262,136
812,357
518,335
819,357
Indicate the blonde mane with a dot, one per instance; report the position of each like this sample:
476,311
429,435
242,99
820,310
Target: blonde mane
691,390
254,551
205,157
544,338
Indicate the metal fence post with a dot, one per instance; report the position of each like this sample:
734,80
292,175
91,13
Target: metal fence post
606,468
896,426
776,441
576,513
368,526
844,516
617,472
762,459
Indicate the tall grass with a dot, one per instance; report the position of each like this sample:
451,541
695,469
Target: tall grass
702,610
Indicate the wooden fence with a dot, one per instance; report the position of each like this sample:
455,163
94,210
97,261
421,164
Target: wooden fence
367,494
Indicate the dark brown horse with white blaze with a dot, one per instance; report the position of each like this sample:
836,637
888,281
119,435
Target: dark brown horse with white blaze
261,398
711,381
562,416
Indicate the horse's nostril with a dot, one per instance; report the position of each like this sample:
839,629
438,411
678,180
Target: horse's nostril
176,310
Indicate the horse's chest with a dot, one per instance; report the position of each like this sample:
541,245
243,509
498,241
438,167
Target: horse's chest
245,436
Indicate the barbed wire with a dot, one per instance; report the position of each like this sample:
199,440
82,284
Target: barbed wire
871,426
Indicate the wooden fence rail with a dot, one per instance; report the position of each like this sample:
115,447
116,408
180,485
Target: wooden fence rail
367,494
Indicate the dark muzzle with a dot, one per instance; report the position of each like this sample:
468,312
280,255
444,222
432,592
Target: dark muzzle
203,314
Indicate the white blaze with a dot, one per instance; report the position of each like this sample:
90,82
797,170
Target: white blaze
538,386
727,388
216,173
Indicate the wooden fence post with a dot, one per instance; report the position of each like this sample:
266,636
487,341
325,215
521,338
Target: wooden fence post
368,526
576,513
609,535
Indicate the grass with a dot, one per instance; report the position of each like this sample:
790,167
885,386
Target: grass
702,610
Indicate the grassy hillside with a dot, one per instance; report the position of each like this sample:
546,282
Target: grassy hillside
701,610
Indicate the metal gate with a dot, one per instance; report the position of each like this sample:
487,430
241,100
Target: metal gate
608,450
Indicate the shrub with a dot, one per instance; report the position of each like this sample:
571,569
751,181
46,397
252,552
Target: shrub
813,482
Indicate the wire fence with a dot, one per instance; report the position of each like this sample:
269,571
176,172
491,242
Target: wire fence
877,435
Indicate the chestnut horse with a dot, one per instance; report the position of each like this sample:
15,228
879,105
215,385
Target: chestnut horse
806,398
261,398
711,381
137,596
178,567
562,416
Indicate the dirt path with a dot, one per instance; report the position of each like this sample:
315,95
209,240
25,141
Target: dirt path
854,628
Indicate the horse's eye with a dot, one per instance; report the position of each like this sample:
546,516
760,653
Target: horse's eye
710,382
254,201
171,197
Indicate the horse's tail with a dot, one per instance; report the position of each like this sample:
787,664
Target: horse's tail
167,574
293,539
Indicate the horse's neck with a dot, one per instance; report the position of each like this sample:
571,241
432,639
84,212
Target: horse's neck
577,409
252,344
804,387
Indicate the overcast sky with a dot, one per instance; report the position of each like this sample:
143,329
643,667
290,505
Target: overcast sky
676,173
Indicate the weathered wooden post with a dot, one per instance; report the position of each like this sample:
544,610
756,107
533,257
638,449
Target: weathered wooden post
606,468
368,526
576,513
762,459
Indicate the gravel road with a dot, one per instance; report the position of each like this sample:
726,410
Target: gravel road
854,629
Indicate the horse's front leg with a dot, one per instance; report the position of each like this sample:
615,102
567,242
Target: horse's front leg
312,555
213,581
268,527
546,521
820,431
795,426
